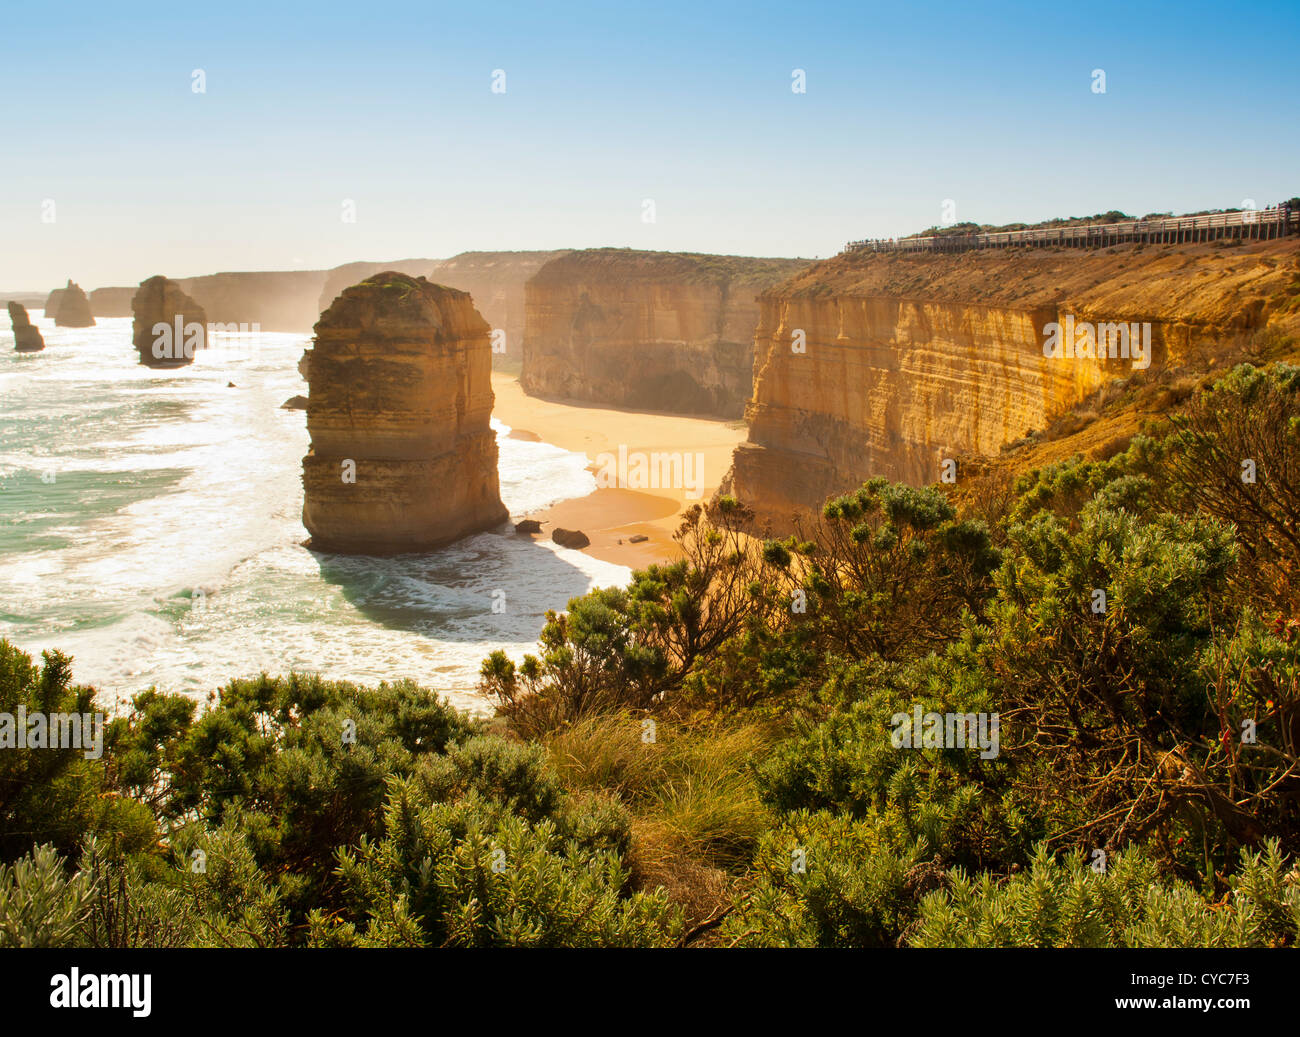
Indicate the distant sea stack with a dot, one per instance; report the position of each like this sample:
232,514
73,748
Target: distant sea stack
402,455
51,306
27,339
160,300
647,330
73,308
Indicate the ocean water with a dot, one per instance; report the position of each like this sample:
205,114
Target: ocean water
150,527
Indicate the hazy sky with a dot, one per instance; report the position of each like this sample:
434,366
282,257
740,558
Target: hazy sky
606,105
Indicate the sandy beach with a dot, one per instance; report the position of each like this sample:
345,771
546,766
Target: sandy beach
612,516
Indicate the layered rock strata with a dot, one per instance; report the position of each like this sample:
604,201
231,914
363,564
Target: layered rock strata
168,326
402,455
27,338
891,364
646,330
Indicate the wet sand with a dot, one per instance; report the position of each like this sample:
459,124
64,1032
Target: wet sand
611,516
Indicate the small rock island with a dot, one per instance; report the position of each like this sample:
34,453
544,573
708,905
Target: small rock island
159,300
402,455
73,308
27,338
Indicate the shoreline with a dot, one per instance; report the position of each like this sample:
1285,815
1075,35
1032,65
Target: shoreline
611,516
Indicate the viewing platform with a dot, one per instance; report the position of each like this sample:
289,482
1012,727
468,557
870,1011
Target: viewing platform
1247,225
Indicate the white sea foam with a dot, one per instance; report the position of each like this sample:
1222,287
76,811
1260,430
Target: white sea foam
166,484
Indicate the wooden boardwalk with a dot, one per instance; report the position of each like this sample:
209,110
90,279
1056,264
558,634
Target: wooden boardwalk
1249,225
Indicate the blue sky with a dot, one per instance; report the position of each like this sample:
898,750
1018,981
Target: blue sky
607,105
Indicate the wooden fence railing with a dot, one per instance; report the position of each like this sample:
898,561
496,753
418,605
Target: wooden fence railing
1250,224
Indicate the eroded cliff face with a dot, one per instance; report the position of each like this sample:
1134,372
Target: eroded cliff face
646,330
497,282
402,455
910,360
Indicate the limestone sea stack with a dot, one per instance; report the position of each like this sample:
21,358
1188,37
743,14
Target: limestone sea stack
73,308
160,301
51,308
402,455
27,339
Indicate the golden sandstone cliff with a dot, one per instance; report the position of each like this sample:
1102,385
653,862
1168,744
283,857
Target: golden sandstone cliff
888,364
646,330
402,457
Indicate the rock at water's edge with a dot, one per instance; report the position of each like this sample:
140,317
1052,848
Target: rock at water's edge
403,457
27,339
574,538
74,308
160,301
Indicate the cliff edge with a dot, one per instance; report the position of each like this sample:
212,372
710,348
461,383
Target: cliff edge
890,364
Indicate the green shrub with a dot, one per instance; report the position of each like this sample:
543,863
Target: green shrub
1069,904
40,906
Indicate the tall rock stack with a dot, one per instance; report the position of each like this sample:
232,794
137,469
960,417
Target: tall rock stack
402,455
27,339
73,308
168,325
51,307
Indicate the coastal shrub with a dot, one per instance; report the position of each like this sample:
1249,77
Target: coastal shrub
1084,694
628,649
134,904
888,570
468,873
40,905
56,795
303,763
1234,453
1125,903
591,662
820,880
958,806
514,774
